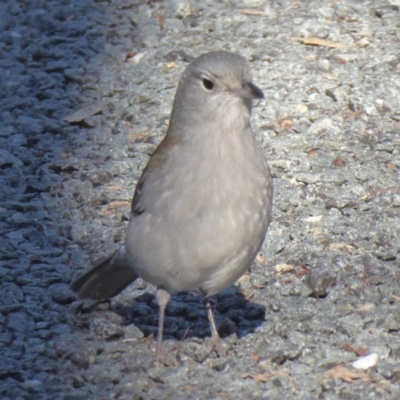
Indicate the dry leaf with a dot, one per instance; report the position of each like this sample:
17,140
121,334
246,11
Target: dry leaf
284,268
258,377
252,11
354,114
351,20
147,339
138,137
363,42
339,162
390,166
302,271
385,190
345,374
320,42
189,388
131,54
161,20
365,308
118,204
83,113
135,58
244,278
331,77
258,286
342,246
114,187
291,215
286,124
129,340
264,377
260,258
394,298
110,208
381,385
359,351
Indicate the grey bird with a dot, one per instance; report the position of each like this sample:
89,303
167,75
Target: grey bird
202,206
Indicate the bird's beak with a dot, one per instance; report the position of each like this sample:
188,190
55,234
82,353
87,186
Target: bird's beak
248,91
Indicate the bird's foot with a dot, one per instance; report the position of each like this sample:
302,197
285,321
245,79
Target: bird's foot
221,347
162,358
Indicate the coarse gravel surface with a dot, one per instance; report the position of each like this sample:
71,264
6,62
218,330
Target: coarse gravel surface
86,88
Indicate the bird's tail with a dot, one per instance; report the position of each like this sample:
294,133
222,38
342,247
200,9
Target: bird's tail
106,279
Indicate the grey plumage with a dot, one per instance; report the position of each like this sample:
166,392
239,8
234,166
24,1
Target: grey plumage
202,206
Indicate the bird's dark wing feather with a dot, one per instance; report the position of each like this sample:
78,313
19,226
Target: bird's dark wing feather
158,158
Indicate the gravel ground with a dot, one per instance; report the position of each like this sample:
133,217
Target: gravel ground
85,95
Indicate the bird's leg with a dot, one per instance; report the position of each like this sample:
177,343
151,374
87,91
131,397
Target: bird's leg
214,332
162,298
220,346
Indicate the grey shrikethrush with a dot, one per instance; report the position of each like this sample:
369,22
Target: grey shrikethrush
203,204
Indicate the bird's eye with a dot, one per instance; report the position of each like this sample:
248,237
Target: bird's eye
208,85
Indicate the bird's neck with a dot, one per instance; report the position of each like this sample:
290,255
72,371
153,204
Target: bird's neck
198,126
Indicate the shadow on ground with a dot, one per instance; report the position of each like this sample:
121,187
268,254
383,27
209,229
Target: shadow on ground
186,315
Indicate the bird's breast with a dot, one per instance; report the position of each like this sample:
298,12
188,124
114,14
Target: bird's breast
213,205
